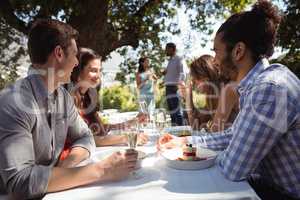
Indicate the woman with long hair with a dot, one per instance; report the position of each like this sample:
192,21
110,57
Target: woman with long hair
145,79
221,98
85,79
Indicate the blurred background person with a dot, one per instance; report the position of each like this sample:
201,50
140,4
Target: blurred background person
174,73
220,95
145,81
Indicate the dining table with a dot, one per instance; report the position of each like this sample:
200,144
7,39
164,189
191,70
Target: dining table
157,181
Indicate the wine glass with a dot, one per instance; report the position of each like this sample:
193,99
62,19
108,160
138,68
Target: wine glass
160,119
144,109
132,136
132,139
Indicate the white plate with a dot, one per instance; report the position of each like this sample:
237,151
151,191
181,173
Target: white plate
170,156
177,130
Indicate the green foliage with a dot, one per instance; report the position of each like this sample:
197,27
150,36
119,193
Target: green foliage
125,99
10,53
291,60
118,97
289,34
110,25
235,6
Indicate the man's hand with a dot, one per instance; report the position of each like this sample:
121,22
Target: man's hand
169,141
118,166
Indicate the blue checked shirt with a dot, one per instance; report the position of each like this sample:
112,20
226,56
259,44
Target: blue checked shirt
265,136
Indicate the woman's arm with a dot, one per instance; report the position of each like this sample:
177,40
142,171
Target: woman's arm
196,118
108,140
226,103
138,80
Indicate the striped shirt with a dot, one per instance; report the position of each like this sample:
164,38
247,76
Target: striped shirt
265,137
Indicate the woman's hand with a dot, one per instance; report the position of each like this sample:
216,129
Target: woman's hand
142,139
142,117
182,89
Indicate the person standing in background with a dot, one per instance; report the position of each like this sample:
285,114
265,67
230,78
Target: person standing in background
174,73
145,83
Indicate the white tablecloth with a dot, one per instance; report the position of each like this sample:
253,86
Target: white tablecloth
116,117
161,182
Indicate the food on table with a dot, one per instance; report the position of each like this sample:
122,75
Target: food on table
188,152
165,139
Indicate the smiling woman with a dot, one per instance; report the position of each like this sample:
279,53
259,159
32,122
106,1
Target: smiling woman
85,79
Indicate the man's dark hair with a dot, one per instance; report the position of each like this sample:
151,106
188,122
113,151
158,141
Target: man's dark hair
257,28
171,45
45,35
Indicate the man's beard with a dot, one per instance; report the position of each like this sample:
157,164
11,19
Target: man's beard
228,68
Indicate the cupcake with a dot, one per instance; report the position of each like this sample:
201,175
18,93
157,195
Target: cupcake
189,152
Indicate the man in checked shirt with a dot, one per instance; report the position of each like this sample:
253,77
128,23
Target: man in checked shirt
263,144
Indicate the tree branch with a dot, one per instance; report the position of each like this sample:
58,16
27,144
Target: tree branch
131,36
7,12
147,5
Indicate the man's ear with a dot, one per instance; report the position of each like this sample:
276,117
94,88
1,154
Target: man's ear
59,53
239,51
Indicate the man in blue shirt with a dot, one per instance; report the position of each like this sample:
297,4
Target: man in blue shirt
263,144
174,73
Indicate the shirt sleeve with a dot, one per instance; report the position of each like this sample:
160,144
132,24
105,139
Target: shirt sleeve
79,133
215,141
260,124
20,174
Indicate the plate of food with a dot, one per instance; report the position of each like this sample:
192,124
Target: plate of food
179,131
189,158
101,155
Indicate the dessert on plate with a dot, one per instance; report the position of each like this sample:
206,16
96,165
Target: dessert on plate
188,152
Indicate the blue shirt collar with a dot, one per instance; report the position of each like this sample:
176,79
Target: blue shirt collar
252,74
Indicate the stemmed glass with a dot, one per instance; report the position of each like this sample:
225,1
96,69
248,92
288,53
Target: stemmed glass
132,139
160,120
144,109
185,90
